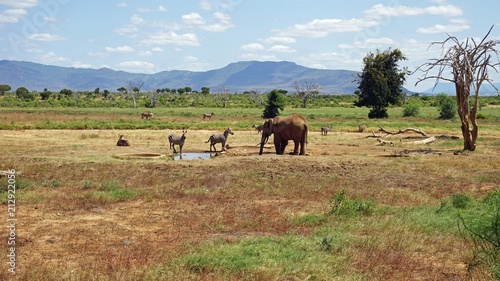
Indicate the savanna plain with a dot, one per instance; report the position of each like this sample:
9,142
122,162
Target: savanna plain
350,209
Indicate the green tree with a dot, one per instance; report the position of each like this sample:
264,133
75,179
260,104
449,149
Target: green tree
275,103
205,90
4,88
23,93
66,92
447,106
380,82
45,95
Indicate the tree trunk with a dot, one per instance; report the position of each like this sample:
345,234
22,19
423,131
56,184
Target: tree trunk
467,117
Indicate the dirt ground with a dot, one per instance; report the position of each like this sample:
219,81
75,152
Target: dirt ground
63,231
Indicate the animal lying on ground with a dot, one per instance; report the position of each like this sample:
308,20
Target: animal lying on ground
122,142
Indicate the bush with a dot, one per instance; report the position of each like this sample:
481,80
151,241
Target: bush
484,231
447,106
412,109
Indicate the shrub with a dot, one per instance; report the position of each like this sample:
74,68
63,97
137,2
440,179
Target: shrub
412,109
484,231
447,106
341,205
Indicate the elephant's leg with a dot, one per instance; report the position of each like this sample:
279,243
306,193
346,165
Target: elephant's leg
295,147
277,145
302,146
284,143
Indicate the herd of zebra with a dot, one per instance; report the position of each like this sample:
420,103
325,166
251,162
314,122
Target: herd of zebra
214,139
174,139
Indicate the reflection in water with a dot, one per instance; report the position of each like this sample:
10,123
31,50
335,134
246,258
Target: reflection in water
193,156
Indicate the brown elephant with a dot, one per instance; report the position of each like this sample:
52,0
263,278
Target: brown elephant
293,127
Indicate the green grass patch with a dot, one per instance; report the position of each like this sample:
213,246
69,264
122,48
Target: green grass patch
267,258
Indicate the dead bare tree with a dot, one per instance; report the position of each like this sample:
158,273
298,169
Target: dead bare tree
134,92
469,62
307,90
223,96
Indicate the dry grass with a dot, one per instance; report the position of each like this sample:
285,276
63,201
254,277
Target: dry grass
84,213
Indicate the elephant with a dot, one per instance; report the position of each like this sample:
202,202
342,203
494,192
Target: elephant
293,127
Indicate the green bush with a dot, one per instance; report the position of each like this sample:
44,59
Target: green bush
341,205
412,109
447,106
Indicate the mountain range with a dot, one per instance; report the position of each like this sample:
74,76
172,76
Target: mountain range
235,77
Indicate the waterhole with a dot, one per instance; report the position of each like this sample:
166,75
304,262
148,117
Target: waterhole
193,156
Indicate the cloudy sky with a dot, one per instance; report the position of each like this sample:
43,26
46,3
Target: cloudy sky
199,35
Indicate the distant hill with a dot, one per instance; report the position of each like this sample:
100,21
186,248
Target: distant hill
236,77
449,89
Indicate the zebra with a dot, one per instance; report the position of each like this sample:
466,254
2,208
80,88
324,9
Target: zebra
208,115
122,142
219,138
147,115
179,140
258,128
324,130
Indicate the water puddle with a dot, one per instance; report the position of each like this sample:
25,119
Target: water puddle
193,156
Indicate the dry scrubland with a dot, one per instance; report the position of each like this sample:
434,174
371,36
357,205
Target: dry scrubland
87,212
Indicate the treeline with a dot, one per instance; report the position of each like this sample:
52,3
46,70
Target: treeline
187,98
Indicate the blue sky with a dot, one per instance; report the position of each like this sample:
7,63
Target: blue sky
199,35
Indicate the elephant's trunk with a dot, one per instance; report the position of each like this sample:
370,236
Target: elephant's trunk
263,142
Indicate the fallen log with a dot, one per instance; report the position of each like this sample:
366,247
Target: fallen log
419,131
427,140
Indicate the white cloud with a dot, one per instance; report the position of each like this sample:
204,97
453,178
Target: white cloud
19,3
137,66
45,37
193,19
323,27
439,28
144,53
172,38
121,49
79,64
190,59
12,15
224,23
380,10
259,57
369,43
157,49
252,47
122,5
161,9
278,39
135,19
128,31
52,57
97,55
281,49
218,5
